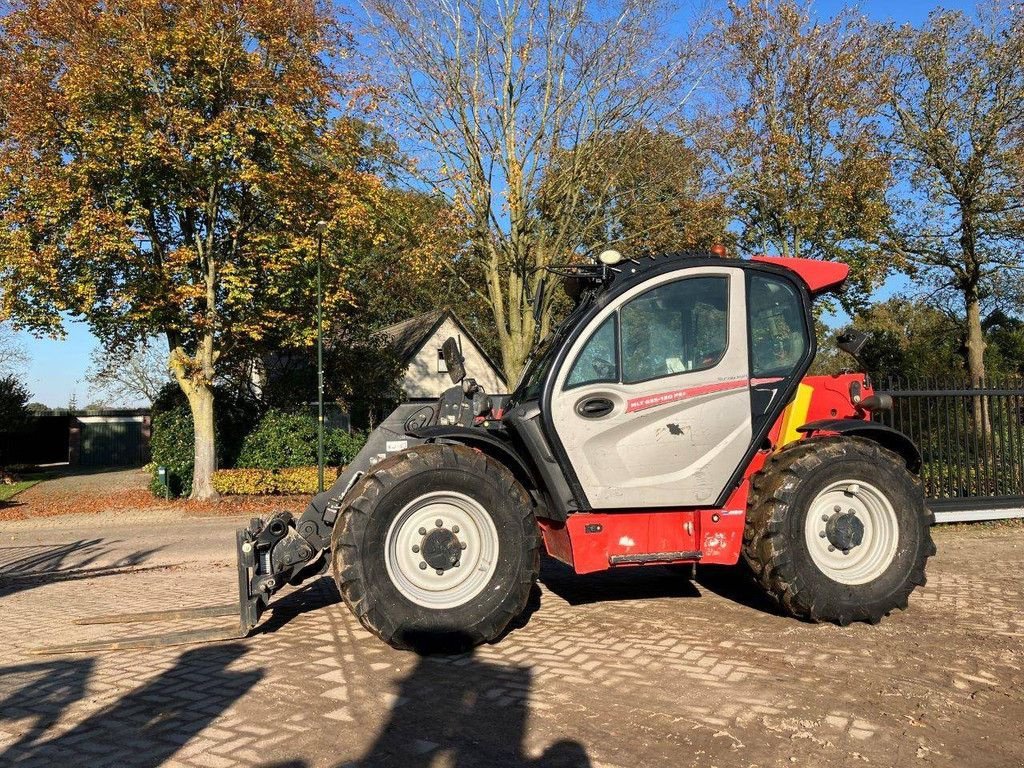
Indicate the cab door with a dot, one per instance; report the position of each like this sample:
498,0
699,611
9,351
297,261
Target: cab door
652,405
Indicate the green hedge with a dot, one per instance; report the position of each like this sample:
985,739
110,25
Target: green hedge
173,446
279,440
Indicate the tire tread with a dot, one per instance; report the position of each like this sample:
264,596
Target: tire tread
766,543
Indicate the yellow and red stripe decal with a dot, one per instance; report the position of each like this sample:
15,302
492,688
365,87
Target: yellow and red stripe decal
795,415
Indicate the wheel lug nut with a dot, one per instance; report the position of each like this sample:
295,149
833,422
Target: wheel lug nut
423,531
439,522
415,547
824,518
823,534
455,529
846,551
423,565
831,548
456,564
836,508
440,572
462,545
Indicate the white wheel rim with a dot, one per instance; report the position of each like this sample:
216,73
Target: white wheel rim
464,520
866,560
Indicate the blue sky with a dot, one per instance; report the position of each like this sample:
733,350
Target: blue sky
57,367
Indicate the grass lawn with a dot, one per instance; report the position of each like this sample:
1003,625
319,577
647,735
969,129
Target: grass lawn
8,492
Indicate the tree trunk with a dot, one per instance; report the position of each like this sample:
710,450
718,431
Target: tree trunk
200,400
195,377
975,359
517,342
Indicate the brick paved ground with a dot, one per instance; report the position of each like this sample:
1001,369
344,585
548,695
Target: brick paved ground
637,668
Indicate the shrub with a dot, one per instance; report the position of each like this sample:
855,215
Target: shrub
234,417
173,442
280,440
297,480
340,447
289,440
173,446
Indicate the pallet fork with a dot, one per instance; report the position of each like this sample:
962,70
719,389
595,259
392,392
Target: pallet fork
248,610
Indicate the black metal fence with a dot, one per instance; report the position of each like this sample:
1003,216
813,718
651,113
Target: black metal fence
971,438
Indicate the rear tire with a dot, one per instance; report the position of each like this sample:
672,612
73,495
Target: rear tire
427,587
837,530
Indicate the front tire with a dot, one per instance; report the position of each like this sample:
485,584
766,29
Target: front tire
837,530
422,586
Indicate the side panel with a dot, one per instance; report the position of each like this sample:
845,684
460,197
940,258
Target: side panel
667,442
596,541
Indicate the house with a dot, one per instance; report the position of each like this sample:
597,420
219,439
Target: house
418,340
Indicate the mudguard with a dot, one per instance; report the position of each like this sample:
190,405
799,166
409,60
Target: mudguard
490,442
885,436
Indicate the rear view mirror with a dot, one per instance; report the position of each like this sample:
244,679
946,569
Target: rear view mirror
852,341
453,360
538,301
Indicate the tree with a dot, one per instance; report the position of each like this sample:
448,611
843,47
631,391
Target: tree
129,373
802,150
407,266
650,192
162,167
910,339
956,100
13,403
492,93
12,353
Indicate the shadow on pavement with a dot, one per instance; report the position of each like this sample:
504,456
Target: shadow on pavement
313,595
24,567
41,692
644,583
461,712
474,711
650,582
144,728
736,584
54,471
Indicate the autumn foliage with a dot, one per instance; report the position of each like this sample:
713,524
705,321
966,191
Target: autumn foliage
163,167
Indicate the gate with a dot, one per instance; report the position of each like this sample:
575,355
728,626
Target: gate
971,440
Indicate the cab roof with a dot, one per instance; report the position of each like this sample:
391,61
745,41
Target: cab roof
820,276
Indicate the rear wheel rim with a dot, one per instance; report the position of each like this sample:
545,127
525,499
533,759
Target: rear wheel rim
836,516
466,532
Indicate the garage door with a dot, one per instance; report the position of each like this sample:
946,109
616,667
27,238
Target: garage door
112,442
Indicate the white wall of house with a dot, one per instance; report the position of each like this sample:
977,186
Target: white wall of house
426,376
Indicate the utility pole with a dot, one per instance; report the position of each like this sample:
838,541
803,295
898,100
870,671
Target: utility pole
320,227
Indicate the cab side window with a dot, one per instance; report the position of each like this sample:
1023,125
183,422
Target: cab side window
778,340
598,360
675,328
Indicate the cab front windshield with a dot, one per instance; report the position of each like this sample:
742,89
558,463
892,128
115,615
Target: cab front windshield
542,357
536,371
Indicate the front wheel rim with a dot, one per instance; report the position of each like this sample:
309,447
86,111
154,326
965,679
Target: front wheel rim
441,566
851,532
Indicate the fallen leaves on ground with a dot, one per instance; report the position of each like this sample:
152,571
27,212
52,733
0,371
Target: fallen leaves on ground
141,500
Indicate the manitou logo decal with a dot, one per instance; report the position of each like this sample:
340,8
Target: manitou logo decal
675,395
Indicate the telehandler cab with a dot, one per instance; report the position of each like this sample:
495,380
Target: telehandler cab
667,420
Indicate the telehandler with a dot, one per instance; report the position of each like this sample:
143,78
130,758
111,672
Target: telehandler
669,419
